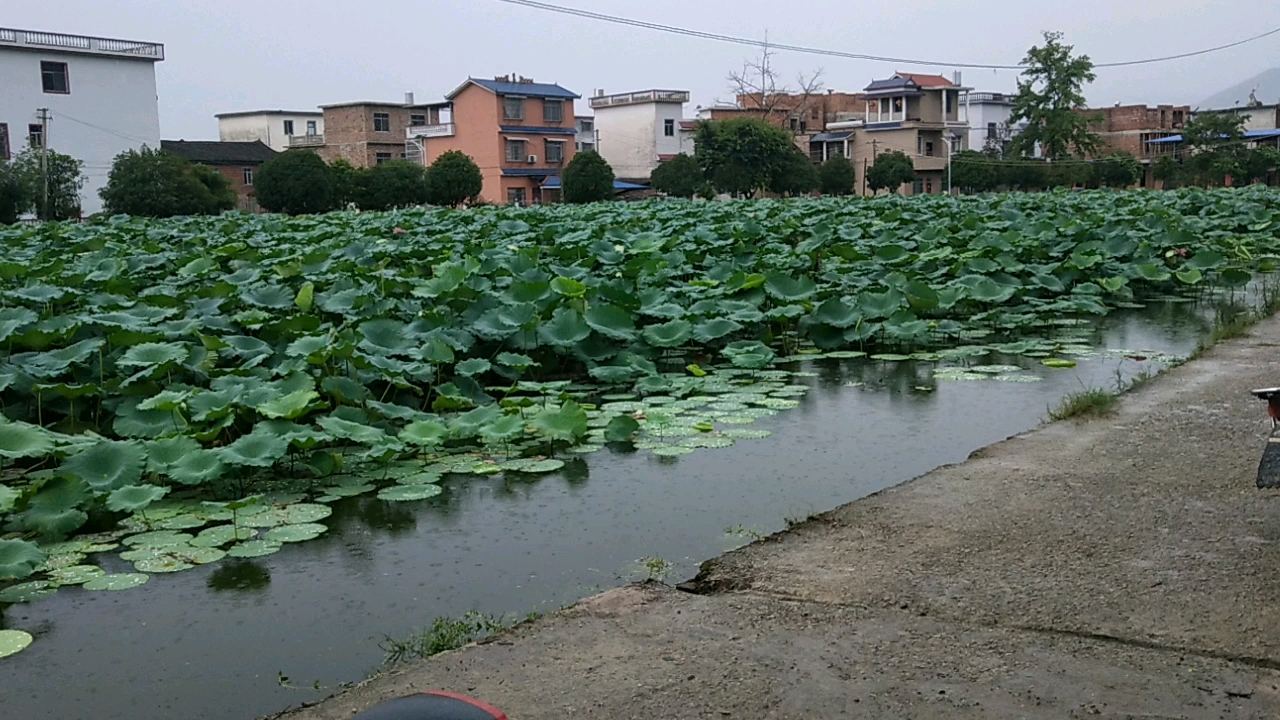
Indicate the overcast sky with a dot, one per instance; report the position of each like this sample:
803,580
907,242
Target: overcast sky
297,54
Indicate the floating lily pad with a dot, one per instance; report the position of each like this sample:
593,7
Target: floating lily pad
27,592
13,642
745,434
76,574
162,564
255,548
289,515
1058,363
890,357
538,467
182,522
116,581
995,369
158,538
200,555
585,449
736,420
707,441
54,562
221,535
844,354
780,403
298,533
1019,378
672,451
403,493
350,490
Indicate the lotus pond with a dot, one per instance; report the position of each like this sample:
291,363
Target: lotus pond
226,412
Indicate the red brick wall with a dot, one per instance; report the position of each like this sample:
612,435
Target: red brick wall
248,200
349,133
1122,128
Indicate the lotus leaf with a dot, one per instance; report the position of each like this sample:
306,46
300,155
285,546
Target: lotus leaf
566,328
401,493
27,592
255,548
19,440
13,642
148,355
612,322
296,533
18,559
132,498
257,449
118,581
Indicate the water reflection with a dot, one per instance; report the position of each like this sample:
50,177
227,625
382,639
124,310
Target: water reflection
242,575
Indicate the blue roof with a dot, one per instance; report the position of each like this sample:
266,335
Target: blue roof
618,185
530,172
1248,135
542,90
537,130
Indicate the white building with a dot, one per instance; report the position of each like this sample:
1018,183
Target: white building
273,128
585,125
988,114
636,131
99,94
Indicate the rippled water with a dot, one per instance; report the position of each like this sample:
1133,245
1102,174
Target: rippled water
211,642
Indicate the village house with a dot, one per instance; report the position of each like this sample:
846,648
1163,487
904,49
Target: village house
238,162
277,129
637,131
366,133
1133,128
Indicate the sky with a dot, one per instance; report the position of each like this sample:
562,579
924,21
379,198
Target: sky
235,55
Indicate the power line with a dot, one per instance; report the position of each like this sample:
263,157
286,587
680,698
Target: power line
617,20
109,131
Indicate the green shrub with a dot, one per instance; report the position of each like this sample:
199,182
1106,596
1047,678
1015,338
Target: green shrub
454,178
295,182
587,178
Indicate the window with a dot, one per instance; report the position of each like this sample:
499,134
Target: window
4,141
586,147
669,127
917,187
515,151
991,131
417,120
515,196
585,126
919,144
897,106
380,158
512,108
552,111
248,176
928,149
382,122
404,156
35,135
288,129
928,185
311,127
54,77
955,144
555,151
813,114
795,124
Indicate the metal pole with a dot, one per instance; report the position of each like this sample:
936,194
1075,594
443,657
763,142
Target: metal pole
948,141
44,161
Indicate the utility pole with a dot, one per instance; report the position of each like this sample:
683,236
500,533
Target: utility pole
44,161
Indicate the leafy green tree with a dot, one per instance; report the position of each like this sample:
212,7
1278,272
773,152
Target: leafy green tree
1258,164
796,175
1167,170
741,155
890,171
836,176
1050,92
1118,170
395,184
587,178
454,178
15,193
155,183
974,172
65,178
349,183
1024,174
1215,148
679,177
1070,173
295,182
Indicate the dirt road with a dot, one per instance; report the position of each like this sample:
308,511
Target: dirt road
1120,568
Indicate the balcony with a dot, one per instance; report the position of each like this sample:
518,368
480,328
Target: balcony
83,44
306,141
429,131
636,98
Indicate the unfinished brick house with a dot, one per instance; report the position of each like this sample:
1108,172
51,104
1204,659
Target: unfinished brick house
1131,128
365,133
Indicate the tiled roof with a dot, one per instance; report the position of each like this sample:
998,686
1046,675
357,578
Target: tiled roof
213,152
927,80
539,90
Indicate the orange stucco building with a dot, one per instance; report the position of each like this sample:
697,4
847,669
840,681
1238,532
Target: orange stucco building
519,132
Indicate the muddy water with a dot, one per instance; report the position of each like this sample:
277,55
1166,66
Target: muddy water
213,642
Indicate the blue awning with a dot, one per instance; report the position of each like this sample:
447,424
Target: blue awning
832,137
1248,135
553,183
529,172
537,130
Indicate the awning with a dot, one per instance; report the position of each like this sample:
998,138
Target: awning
831,137
537,130
517,137
553,183
1248,135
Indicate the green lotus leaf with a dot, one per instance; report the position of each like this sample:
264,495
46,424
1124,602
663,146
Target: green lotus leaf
1235,277
611,321
1058,363
150,355
255,548
515,361
13,318
989,291
836,313
1190,276
403,493
117,581
353,431
425,433
221,535
566,423
787,288
132,498
20,440
538,467
28,592
196,467
164,454
621,429
566,328
307,346
257,449
76,574
504,429
288,407
295,533
8,497
13,642
107,464
568,287
18,559
474,366
668,334
672,450
386,337
305,297
715,329
881,304
1206,260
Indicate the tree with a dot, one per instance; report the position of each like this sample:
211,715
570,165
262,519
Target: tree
1118,170
1024,174
155,183
1167,171
1215,148
741,155
756,87
64,182
349,183
587,178
974,172
890,171
454,178
836,176
1049,93
15,193
295,182
395,184
679,177
796,175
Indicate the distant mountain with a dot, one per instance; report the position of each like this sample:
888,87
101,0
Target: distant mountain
1267,87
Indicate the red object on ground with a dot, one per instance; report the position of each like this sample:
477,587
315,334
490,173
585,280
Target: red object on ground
1273,407
434,705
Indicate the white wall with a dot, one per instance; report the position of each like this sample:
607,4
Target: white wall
267,127
628,136
112,107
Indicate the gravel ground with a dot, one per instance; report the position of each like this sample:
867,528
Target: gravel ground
1124,567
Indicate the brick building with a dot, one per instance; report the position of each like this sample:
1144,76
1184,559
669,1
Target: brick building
1131,128
237,161
804,114
367,133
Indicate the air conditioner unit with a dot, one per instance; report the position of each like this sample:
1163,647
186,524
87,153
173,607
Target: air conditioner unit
532,159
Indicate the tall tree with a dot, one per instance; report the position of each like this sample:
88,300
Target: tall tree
587,178
65,178
454,178
15,193
1118,170
678,177
395,184
974,172
836,176
1050,92
295,182
1215,148
741,155
797,175
155,183
890,171
757,87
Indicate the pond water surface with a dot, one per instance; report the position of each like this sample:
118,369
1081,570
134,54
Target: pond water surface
212,642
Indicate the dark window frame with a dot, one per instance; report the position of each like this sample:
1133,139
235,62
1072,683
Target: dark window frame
520,193
382,157
547,104
35,130
247,176
417,119
519,157
288,128
508,102
385,125
46,73
669,127
559,147
5,153
311,127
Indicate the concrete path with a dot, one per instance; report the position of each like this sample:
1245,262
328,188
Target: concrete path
1120,568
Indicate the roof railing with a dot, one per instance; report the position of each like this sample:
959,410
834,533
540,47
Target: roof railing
81,43
643,96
